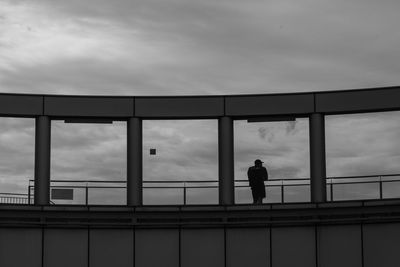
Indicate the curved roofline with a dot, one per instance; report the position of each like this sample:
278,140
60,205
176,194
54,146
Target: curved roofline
216,95
298,104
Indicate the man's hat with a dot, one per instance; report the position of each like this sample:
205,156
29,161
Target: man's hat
257,161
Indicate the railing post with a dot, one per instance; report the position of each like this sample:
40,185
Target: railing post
331,190
42,160
184,193
29,195
317,158
380,188
86,194
134,182
225,161
282,193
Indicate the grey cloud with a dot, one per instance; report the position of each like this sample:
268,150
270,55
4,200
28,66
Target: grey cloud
185,150
287,156
85,136
17,143
290,127
235,47
206,154
363,144
90,76
14,186
89,151
363,165
254,150
263,133
286,172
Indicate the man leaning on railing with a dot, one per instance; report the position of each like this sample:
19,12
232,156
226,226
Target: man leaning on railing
257,174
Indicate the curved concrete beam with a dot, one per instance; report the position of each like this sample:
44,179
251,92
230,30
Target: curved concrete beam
192,107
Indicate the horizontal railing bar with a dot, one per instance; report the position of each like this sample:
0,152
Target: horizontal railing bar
178,187
166,187
3,197
193,186
388,181
80,186
208,184
14,194
363,176
196,187
170,187
216,181
364,182
186,181
85,181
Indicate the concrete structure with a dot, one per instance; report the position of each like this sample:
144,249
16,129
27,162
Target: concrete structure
352,233
224,108
348,234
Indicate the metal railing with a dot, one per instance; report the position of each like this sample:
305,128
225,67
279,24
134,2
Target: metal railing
14,198
338,188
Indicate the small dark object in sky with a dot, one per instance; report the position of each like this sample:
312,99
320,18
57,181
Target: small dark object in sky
152,151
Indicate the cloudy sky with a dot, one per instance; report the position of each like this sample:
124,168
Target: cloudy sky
187,47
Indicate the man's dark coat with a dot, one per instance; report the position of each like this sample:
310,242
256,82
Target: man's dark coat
257,176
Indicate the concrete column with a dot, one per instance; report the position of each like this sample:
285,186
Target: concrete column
42,160
317,158
226,163
134,183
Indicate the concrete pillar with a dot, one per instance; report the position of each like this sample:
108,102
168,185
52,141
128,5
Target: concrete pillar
226,163
317,158
134,183
42,160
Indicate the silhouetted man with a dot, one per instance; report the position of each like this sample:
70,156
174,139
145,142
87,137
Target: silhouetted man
257,174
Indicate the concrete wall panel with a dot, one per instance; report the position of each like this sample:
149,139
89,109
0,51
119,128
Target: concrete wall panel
202,247
65,248
179,107
293,246
381,245
20,247
269,105
156,247
88,106
358,101
21,105
111,248
247,247
339,246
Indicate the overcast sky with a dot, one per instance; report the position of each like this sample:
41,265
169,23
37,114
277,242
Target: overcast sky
191,47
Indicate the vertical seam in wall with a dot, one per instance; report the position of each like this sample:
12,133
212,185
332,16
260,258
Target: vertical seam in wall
225,246
270,246
88,246
134,246
179,246
362,244
316,245
42,246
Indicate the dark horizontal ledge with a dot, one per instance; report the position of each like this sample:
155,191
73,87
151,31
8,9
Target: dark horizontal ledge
202,107
276,215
